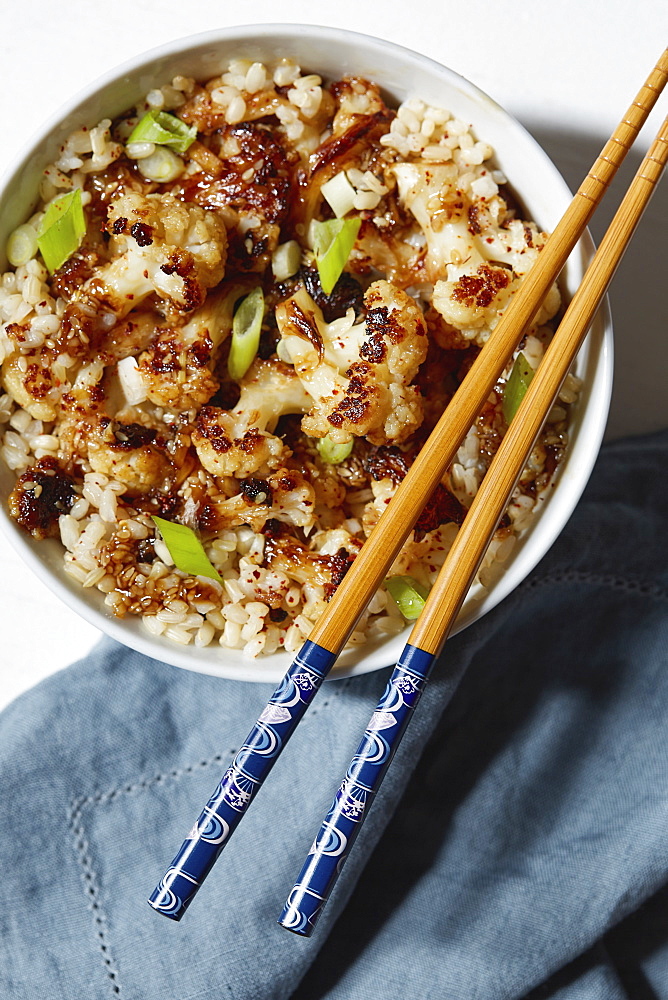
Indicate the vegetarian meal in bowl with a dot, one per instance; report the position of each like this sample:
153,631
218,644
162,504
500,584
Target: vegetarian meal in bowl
232,313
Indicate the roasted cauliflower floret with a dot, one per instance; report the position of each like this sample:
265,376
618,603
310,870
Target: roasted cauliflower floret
474,300
159,246
373,397
516,244
330,492
429,191
246,176
475,256
82,407
98,427
357,99
325,566
30,382
238,442
37,377
177,369
286,495
131,454
319,351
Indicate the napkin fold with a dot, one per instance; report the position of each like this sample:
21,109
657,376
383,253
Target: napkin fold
518,847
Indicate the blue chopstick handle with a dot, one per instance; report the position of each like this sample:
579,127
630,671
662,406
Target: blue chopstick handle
351,804
241,782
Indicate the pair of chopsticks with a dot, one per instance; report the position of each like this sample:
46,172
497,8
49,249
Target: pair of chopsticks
388,723
289,702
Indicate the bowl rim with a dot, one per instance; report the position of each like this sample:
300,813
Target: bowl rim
527,555
239,31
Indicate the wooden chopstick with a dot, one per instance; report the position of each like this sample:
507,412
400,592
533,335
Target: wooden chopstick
387,725
289,702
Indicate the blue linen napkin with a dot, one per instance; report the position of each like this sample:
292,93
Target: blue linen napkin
518,847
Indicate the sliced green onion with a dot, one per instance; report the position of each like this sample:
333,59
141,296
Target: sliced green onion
62,229
164,130
516,386
186,549
246,328
333,453
340,194
332,242
22,245
162,165
408,595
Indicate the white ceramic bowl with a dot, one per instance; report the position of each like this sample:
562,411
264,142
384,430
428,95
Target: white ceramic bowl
402,74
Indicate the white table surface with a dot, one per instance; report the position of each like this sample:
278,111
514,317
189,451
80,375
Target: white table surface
567,71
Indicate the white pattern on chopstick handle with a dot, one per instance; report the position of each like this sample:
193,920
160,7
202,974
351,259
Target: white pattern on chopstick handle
367,769
241,782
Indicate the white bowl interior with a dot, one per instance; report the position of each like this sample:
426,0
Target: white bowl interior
401,74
